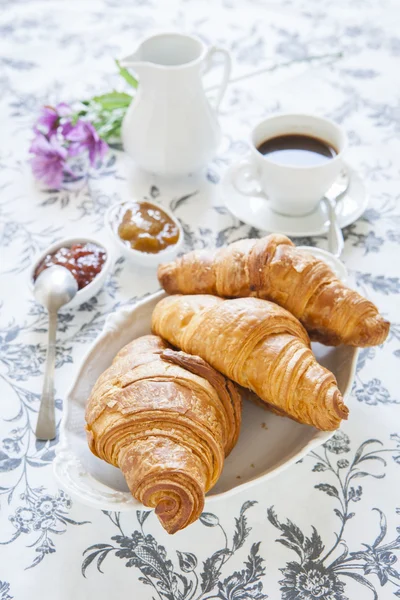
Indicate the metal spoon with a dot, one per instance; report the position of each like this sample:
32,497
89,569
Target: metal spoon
336,191
53,288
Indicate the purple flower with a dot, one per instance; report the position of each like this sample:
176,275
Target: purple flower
83,136
49,118
48,162
58,139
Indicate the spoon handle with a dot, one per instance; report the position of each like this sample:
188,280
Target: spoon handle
46,426
335,235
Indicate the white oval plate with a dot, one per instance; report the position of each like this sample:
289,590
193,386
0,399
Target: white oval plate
255,211
267,445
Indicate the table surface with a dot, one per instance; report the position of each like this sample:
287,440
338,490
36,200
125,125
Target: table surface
328,527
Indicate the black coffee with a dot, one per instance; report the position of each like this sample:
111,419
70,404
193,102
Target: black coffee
297,150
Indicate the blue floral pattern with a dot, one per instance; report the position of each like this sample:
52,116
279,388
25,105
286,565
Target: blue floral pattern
313,576
335,512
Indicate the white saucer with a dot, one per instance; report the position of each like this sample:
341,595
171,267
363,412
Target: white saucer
256,212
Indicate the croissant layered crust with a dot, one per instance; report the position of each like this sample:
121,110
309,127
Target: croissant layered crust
167,420
273,268
260,346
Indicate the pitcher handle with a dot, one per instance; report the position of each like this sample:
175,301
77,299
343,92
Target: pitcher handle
213,51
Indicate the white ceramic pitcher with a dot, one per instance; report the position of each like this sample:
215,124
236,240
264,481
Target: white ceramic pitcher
170,127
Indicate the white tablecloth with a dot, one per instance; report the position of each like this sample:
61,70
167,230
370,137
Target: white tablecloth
326,528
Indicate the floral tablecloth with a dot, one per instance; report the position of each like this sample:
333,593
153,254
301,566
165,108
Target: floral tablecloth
327,528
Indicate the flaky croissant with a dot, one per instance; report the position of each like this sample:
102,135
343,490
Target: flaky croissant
274,269
259,345
167,420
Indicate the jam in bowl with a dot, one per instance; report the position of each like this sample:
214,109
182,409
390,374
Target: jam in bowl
84,260
88,260
146,233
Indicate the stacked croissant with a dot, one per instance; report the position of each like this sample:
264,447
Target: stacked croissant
167,411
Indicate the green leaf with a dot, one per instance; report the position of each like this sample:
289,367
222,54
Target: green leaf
126,75
113,100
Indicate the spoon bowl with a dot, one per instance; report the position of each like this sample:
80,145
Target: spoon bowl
55,287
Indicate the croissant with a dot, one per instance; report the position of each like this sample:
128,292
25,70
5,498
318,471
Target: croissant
260,346
274,269
167,420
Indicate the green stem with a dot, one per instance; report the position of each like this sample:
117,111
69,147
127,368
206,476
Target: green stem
305,59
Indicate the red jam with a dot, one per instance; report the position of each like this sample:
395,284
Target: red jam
84,261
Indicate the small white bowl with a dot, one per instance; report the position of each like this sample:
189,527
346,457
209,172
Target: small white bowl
92,288
332,261
113,218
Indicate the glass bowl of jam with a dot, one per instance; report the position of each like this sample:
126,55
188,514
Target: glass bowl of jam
88,260
145,233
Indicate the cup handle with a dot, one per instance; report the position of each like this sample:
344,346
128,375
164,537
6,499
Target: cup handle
213,51
246,169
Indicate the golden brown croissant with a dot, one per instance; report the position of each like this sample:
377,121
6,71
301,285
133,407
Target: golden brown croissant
274,269
259,345
167,420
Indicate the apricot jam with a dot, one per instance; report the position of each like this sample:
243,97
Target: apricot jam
147,228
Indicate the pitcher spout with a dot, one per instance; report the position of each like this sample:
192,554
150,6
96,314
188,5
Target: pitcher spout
167,50
132,60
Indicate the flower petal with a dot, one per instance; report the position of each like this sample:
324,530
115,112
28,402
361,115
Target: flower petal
63,109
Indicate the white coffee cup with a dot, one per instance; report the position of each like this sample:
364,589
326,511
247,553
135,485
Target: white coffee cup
290,190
